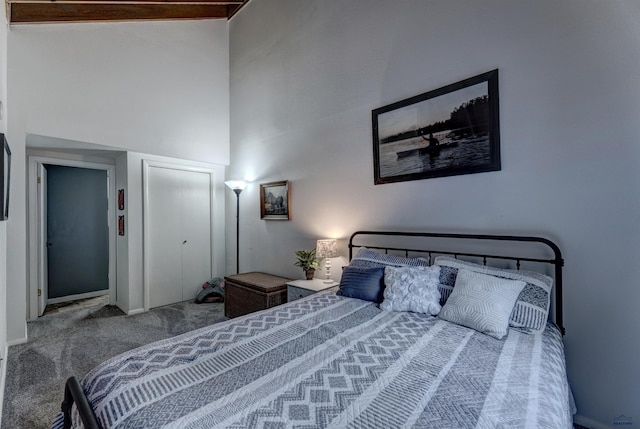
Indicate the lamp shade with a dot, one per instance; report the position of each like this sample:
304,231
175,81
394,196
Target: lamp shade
327,248
236,185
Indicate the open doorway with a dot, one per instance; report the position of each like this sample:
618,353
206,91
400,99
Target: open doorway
77,233
75,246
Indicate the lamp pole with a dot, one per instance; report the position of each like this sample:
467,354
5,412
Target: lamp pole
237,191
237,186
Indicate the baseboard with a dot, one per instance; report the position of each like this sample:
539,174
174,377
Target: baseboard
135,311
16,342
590,423
3,377
77,296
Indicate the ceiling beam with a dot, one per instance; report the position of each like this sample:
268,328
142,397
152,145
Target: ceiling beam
127,2
35,11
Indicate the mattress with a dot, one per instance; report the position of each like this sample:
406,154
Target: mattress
328,361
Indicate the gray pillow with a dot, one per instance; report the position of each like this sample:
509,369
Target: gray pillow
370,258
482,302
531,311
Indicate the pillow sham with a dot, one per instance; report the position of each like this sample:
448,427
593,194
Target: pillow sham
482,302
370,258
412,289
531,311
362,283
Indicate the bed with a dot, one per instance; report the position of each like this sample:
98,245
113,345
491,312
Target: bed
334,360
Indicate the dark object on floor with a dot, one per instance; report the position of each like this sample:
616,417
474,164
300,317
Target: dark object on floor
212,291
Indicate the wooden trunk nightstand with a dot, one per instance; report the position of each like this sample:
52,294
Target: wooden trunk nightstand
249,292
300,288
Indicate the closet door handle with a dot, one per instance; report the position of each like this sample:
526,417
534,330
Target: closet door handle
184,242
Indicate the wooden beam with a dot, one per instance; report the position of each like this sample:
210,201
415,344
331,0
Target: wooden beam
233,9
67,12
128,2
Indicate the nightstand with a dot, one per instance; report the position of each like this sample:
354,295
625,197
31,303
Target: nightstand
297,289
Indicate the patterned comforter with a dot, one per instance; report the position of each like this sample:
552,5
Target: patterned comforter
334,362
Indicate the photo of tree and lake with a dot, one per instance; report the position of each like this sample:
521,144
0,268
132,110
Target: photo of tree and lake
449,133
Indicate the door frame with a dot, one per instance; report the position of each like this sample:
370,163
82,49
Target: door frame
146,165
43,261
37,213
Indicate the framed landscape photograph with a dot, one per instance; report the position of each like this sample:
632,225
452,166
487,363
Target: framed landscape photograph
445,132
275,201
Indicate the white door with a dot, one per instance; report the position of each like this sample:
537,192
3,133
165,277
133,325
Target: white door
196,232
179,234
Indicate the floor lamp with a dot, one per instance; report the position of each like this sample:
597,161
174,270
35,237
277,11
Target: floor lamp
237,186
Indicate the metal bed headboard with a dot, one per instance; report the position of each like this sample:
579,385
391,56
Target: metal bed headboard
557,262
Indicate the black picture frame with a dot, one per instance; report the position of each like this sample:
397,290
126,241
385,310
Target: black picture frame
275,200
5,177
449,131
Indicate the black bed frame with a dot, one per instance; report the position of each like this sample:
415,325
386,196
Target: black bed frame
557,262
73,390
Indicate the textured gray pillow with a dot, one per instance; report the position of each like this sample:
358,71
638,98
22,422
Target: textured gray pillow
531,312
412,289
482,302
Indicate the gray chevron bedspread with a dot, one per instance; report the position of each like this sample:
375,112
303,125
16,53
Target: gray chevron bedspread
334,362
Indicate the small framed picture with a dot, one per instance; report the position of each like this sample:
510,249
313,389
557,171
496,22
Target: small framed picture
120,225
275,200
121,199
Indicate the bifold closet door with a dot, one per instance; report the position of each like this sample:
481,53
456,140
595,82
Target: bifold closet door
196,232
179,227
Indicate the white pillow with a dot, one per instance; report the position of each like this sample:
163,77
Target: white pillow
412,289
482,302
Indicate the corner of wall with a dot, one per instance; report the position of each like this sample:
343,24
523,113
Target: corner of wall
122,242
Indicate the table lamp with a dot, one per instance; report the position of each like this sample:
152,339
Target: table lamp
327,249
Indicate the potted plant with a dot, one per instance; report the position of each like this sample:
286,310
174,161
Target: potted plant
306,259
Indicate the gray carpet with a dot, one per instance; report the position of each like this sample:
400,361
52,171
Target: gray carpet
72,343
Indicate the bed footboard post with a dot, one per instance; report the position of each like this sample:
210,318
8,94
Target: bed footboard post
73,393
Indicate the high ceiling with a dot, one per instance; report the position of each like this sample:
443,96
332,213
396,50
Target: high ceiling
47,11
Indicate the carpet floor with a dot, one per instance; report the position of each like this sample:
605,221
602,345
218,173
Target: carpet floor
69,343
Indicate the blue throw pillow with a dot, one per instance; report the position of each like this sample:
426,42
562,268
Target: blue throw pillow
362,283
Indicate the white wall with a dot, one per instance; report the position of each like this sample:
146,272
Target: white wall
3,225
306,75
3,70
159,88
